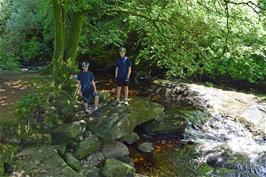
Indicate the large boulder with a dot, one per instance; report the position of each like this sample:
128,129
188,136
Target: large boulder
116,168
115,149
66,132
117,122
165,124
41,161
88,146
174,121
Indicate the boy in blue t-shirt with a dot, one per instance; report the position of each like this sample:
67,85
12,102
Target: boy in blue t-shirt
87,86
122,74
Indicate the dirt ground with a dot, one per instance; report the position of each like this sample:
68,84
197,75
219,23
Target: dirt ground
14,85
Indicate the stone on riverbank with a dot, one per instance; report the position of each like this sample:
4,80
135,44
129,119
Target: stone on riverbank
42,161
146,147
116,168
132,138
115,149
118,122
66,132
72,162
89,145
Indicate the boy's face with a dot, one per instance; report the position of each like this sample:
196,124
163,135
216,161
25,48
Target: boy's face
122,54
85,68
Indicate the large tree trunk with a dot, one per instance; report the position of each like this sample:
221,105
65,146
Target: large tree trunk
58,56
73,38
66,46
71,49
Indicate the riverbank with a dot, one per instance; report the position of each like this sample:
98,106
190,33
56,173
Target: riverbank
177,128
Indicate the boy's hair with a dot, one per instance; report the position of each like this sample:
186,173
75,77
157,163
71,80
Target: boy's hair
122,49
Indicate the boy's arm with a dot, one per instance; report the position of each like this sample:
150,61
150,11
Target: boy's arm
79,88
73,76
129,72
94,86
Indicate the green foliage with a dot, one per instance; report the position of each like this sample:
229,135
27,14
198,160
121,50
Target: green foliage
31,49
45,109
187,38
7,60
31,109
6,154
26,28
103,30
190,39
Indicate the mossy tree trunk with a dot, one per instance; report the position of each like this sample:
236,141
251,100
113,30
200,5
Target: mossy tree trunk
66,43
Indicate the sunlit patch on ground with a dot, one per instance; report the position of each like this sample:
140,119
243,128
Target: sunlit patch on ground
14,85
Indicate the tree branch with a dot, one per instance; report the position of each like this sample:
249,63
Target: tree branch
250,4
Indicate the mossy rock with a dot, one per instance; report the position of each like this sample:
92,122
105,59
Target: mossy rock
115,168
165,124
115,149
118,122
66,132
196,117
175,120
132,138
88,146
72,162
61,149
42,161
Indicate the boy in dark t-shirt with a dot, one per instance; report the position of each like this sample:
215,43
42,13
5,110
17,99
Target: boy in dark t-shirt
87,86
122,74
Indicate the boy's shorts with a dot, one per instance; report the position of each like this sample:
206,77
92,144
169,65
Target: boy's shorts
88,96
122,82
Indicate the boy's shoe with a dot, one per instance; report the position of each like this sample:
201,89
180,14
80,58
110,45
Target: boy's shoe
126,103
118,103
96,111
87,111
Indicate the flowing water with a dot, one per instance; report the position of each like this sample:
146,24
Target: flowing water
220,147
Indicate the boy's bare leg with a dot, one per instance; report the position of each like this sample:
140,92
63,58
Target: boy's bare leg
126,94
96,102
118,92
86,106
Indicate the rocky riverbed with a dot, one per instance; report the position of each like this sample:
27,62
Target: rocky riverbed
179,129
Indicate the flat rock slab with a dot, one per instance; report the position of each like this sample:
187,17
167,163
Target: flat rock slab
116,122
